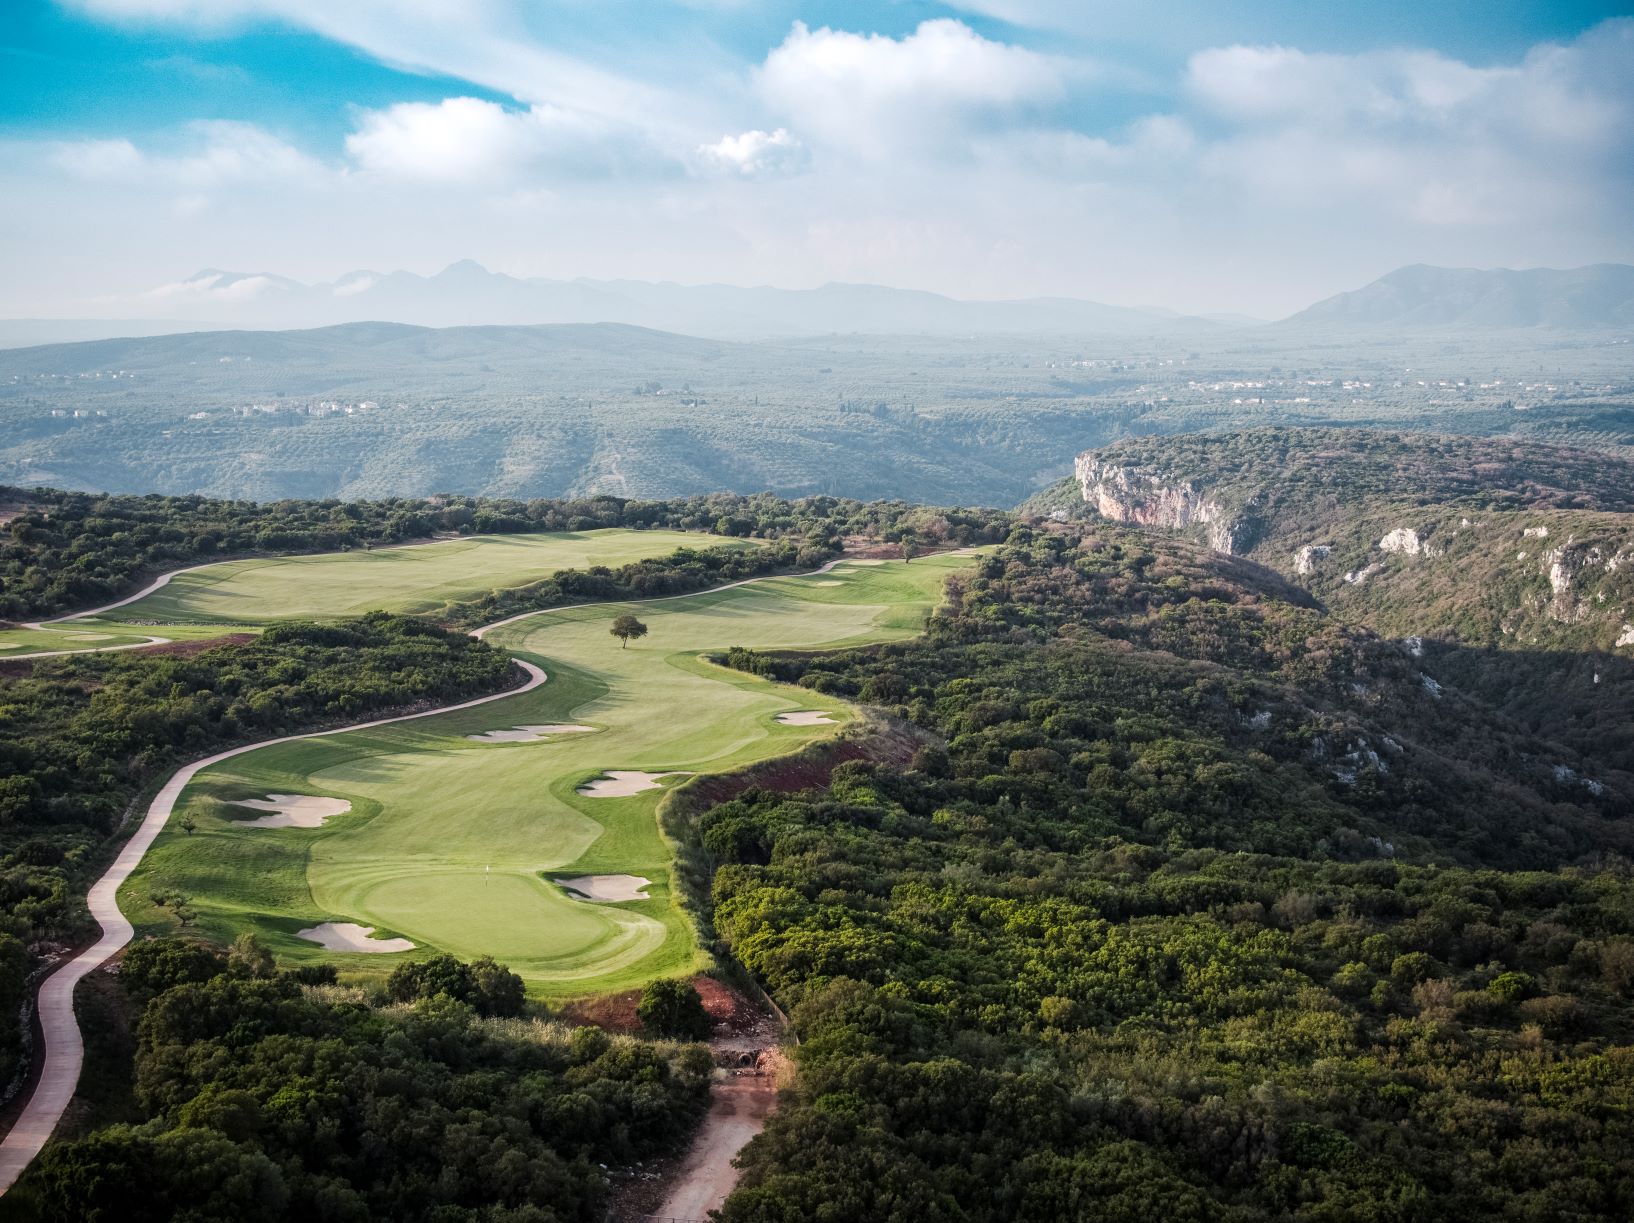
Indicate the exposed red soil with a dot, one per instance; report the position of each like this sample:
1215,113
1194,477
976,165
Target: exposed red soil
806,771
186,649
731,1012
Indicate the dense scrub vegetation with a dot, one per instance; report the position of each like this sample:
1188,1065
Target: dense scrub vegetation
262,1098
81,737
1317,470
66,551
1208,909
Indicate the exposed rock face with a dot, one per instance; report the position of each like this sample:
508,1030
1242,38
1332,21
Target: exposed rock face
1128,495
1405,540
1306,558
1563,564
1627,637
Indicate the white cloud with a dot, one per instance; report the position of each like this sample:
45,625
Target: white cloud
211,154
470,140
755,154
94,159
1423,136
1262,178
880,96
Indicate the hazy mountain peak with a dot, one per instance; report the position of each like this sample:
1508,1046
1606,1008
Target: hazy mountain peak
1422,295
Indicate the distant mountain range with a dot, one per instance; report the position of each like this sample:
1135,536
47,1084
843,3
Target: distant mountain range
465,293
1421,296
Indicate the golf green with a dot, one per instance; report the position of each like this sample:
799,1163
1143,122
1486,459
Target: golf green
415,578
457,845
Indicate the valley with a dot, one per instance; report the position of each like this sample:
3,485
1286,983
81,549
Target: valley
370,410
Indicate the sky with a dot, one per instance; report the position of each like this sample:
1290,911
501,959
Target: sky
1203,155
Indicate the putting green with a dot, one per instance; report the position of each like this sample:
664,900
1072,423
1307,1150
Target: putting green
455,844
418,578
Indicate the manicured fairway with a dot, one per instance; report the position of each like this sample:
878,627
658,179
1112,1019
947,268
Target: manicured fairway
407,579
456,844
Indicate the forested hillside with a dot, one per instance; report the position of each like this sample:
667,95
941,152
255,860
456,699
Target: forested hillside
1211,907
1488,542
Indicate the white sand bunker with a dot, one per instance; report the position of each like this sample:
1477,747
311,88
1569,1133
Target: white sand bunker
293,810
805,717
607,887
827,582
528,734
864,561
88,636
349,936
621,783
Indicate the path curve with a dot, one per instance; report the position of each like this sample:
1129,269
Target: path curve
63,1049
95,649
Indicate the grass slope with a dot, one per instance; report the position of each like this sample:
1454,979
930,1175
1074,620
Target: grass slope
410,579
454,844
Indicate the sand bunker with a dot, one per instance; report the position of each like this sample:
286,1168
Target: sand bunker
827,582
621,783
805,717
528,734
607,887
293,810
864,561
349,936
88,636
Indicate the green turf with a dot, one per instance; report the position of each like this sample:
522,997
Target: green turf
454,844
408,579
80,636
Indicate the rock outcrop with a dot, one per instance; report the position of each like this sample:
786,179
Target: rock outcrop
1406,541
1306,558
1129,495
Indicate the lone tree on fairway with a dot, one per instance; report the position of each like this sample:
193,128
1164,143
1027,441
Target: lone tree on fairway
672,1008
627,628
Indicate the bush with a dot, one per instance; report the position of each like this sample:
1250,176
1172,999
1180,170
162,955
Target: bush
490,988
673,1008
154,965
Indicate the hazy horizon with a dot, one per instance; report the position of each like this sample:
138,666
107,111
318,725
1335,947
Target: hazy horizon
1236,158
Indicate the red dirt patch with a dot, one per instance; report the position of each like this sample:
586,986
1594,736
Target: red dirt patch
730,1010
186,649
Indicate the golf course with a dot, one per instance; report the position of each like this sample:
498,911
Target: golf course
243,595
524,828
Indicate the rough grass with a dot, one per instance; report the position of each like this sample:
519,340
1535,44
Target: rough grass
419,578
455,844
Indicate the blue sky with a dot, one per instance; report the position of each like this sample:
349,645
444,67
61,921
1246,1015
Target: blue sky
1211,156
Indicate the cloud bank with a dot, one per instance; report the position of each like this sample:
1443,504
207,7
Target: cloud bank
942,156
